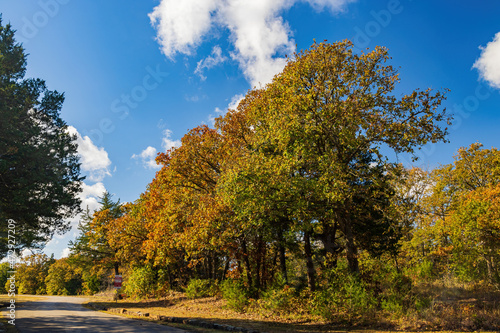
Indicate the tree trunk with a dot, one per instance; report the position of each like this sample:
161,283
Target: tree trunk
226,268
311,274
246,260
210,266
258,264
264,274
284,272
282,256
352,251
331,248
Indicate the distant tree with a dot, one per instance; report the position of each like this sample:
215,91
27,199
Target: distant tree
459,225
39,167
92,247
4,275
63,278
32,272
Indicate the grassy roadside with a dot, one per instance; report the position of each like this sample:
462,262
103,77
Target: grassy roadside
104,302
451,304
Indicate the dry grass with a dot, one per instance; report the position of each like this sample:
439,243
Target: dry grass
455,308
458,306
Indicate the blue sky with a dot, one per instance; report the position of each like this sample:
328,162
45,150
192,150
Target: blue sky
139,74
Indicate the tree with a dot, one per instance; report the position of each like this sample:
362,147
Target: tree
39,167
475,233
4,275
92,247
31,273
458,229
63,278
320,126
128,234
182,203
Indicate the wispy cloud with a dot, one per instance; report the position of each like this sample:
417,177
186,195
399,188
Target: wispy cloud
260,36
488,63
95,160
211,61
233,104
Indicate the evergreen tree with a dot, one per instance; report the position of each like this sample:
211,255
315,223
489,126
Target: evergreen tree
39,167
92,248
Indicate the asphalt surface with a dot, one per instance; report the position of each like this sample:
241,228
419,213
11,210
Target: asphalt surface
66,314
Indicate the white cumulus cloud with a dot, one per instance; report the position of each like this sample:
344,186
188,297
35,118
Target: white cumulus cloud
260,36
147,156
65,253
167,142
488,63
90,195
95,160
182,23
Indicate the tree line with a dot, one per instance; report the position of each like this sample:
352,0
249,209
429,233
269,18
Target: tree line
294,196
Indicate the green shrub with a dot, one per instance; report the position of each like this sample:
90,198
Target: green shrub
425,270
141,282
235,294
4,275
392,287
200,288
279,299
344,298
91,284
41,291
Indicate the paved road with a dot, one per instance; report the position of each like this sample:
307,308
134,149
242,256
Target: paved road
66,314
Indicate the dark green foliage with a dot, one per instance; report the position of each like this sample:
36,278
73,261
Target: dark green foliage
235,294
91,248
39,167
201,288
344,296
4,267
91,284
140,282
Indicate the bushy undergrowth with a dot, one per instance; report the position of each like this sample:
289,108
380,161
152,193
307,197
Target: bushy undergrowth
140,282
284,301
343,297
235,294
201,288
91,284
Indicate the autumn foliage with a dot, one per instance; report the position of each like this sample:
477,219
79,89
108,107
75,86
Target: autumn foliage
295,193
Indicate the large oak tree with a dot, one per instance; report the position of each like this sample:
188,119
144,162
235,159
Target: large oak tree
321,128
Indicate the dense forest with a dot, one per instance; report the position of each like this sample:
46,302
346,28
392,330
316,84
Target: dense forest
296,200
